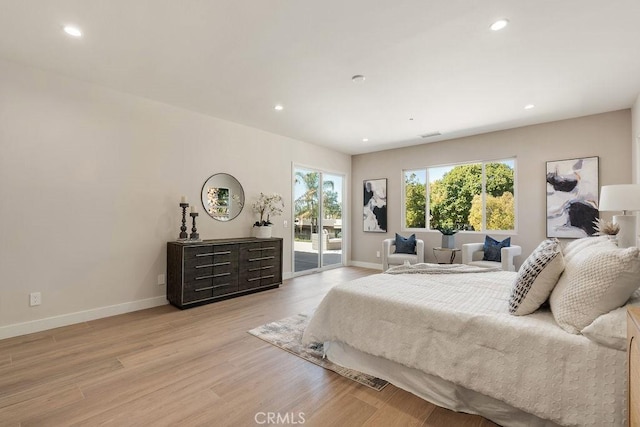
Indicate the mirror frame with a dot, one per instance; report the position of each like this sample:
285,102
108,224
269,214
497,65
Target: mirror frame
232,199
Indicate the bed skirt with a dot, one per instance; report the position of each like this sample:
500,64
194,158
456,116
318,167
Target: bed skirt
432,388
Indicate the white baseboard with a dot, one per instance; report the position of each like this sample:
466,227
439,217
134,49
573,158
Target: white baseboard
79,317
366,265
287,275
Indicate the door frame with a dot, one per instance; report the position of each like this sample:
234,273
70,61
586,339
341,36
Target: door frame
345,221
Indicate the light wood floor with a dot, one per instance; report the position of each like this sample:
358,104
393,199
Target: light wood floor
164,366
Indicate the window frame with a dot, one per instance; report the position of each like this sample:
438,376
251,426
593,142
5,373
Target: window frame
483,164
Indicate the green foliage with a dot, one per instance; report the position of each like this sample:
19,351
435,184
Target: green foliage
331,208
306,206
451,197
500,212
416,200
455,200
499,179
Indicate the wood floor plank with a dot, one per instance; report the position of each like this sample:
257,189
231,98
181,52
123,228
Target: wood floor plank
444,417
163,406
402,409
5,360
42,404
342,410
196,367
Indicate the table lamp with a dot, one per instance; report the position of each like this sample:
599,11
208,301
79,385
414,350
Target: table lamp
622,197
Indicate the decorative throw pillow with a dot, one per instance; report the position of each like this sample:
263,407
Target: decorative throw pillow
610,329
492,248
575,246
405,245
536,278
595,281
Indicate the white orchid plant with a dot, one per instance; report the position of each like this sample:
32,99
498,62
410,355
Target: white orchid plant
267,205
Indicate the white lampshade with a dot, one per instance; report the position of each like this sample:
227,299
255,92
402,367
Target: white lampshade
622,197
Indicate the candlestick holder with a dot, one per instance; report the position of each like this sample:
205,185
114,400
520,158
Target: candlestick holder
194,232
183,229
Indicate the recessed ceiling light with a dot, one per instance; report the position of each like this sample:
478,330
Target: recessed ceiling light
365,139
73,31
358,78
529,106
278,107
499,24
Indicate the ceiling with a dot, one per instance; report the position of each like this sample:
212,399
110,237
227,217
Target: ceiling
435,62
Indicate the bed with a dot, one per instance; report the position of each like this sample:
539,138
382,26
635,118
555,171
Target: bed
449,338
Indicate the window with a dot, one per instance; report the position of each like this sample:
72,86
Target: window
472,196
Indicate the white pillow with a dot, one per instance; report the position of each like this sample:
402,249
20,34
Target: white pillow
595,281
575,246
610,329
536,278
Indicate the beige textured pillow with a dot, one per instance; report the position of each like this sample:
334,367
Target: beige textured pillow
536,278
595,281
610,329
575,246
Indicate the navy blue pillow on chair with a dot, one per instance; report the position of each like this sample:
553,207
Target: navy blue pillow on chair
405,245
492,248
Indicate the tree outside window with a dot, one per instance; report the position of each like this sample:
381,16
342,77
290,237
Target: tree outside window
475,196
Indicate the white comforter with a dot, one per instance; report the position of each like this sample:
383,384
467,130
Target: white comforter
457,326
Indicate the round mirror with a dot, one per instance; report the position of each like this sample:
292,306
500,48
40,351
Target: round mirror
222,197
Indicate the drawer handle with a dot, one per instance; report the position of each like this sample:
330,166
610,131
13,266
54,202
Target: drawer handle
261,268
261,258
217,264
222,253
212,287
205,265
207,254
261,277
209,276
221,274
268,248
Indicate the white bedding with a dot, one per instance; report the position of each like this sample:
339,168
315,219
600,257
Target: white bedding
457,327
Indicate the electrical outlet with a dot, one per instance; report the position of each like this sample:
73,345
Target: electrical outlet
377,254
161,280
285,223
35,298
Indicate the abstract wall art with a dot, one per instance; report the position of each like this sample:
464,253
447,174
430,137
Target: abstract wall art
572,197
375,205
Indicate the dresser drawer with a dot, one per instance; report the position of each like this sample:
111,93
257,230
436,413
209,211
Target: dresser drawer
197,293
198,252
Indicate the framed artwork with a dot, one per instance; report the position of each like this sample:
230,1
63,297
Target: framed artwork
375,205
572,197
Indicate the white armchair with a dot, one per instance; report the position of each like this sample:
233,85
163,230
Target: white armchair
389,257
472,254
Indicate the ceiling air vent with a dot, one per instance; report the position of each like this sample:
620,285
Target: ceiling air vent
430,134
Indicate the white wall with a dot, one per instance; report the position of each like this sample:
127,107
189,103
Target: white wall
604,135
90,181
635,139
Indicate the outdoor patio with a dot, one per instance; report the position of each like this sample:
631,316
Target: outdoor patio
306,258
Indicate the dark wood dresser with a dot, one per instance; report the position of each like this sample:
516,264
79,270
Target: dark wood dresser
211,270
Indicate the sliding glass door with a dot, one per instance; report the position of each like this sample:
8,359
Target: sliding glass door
318,226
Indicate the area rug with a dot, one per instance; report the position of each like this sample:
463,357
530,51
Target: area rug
287,335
